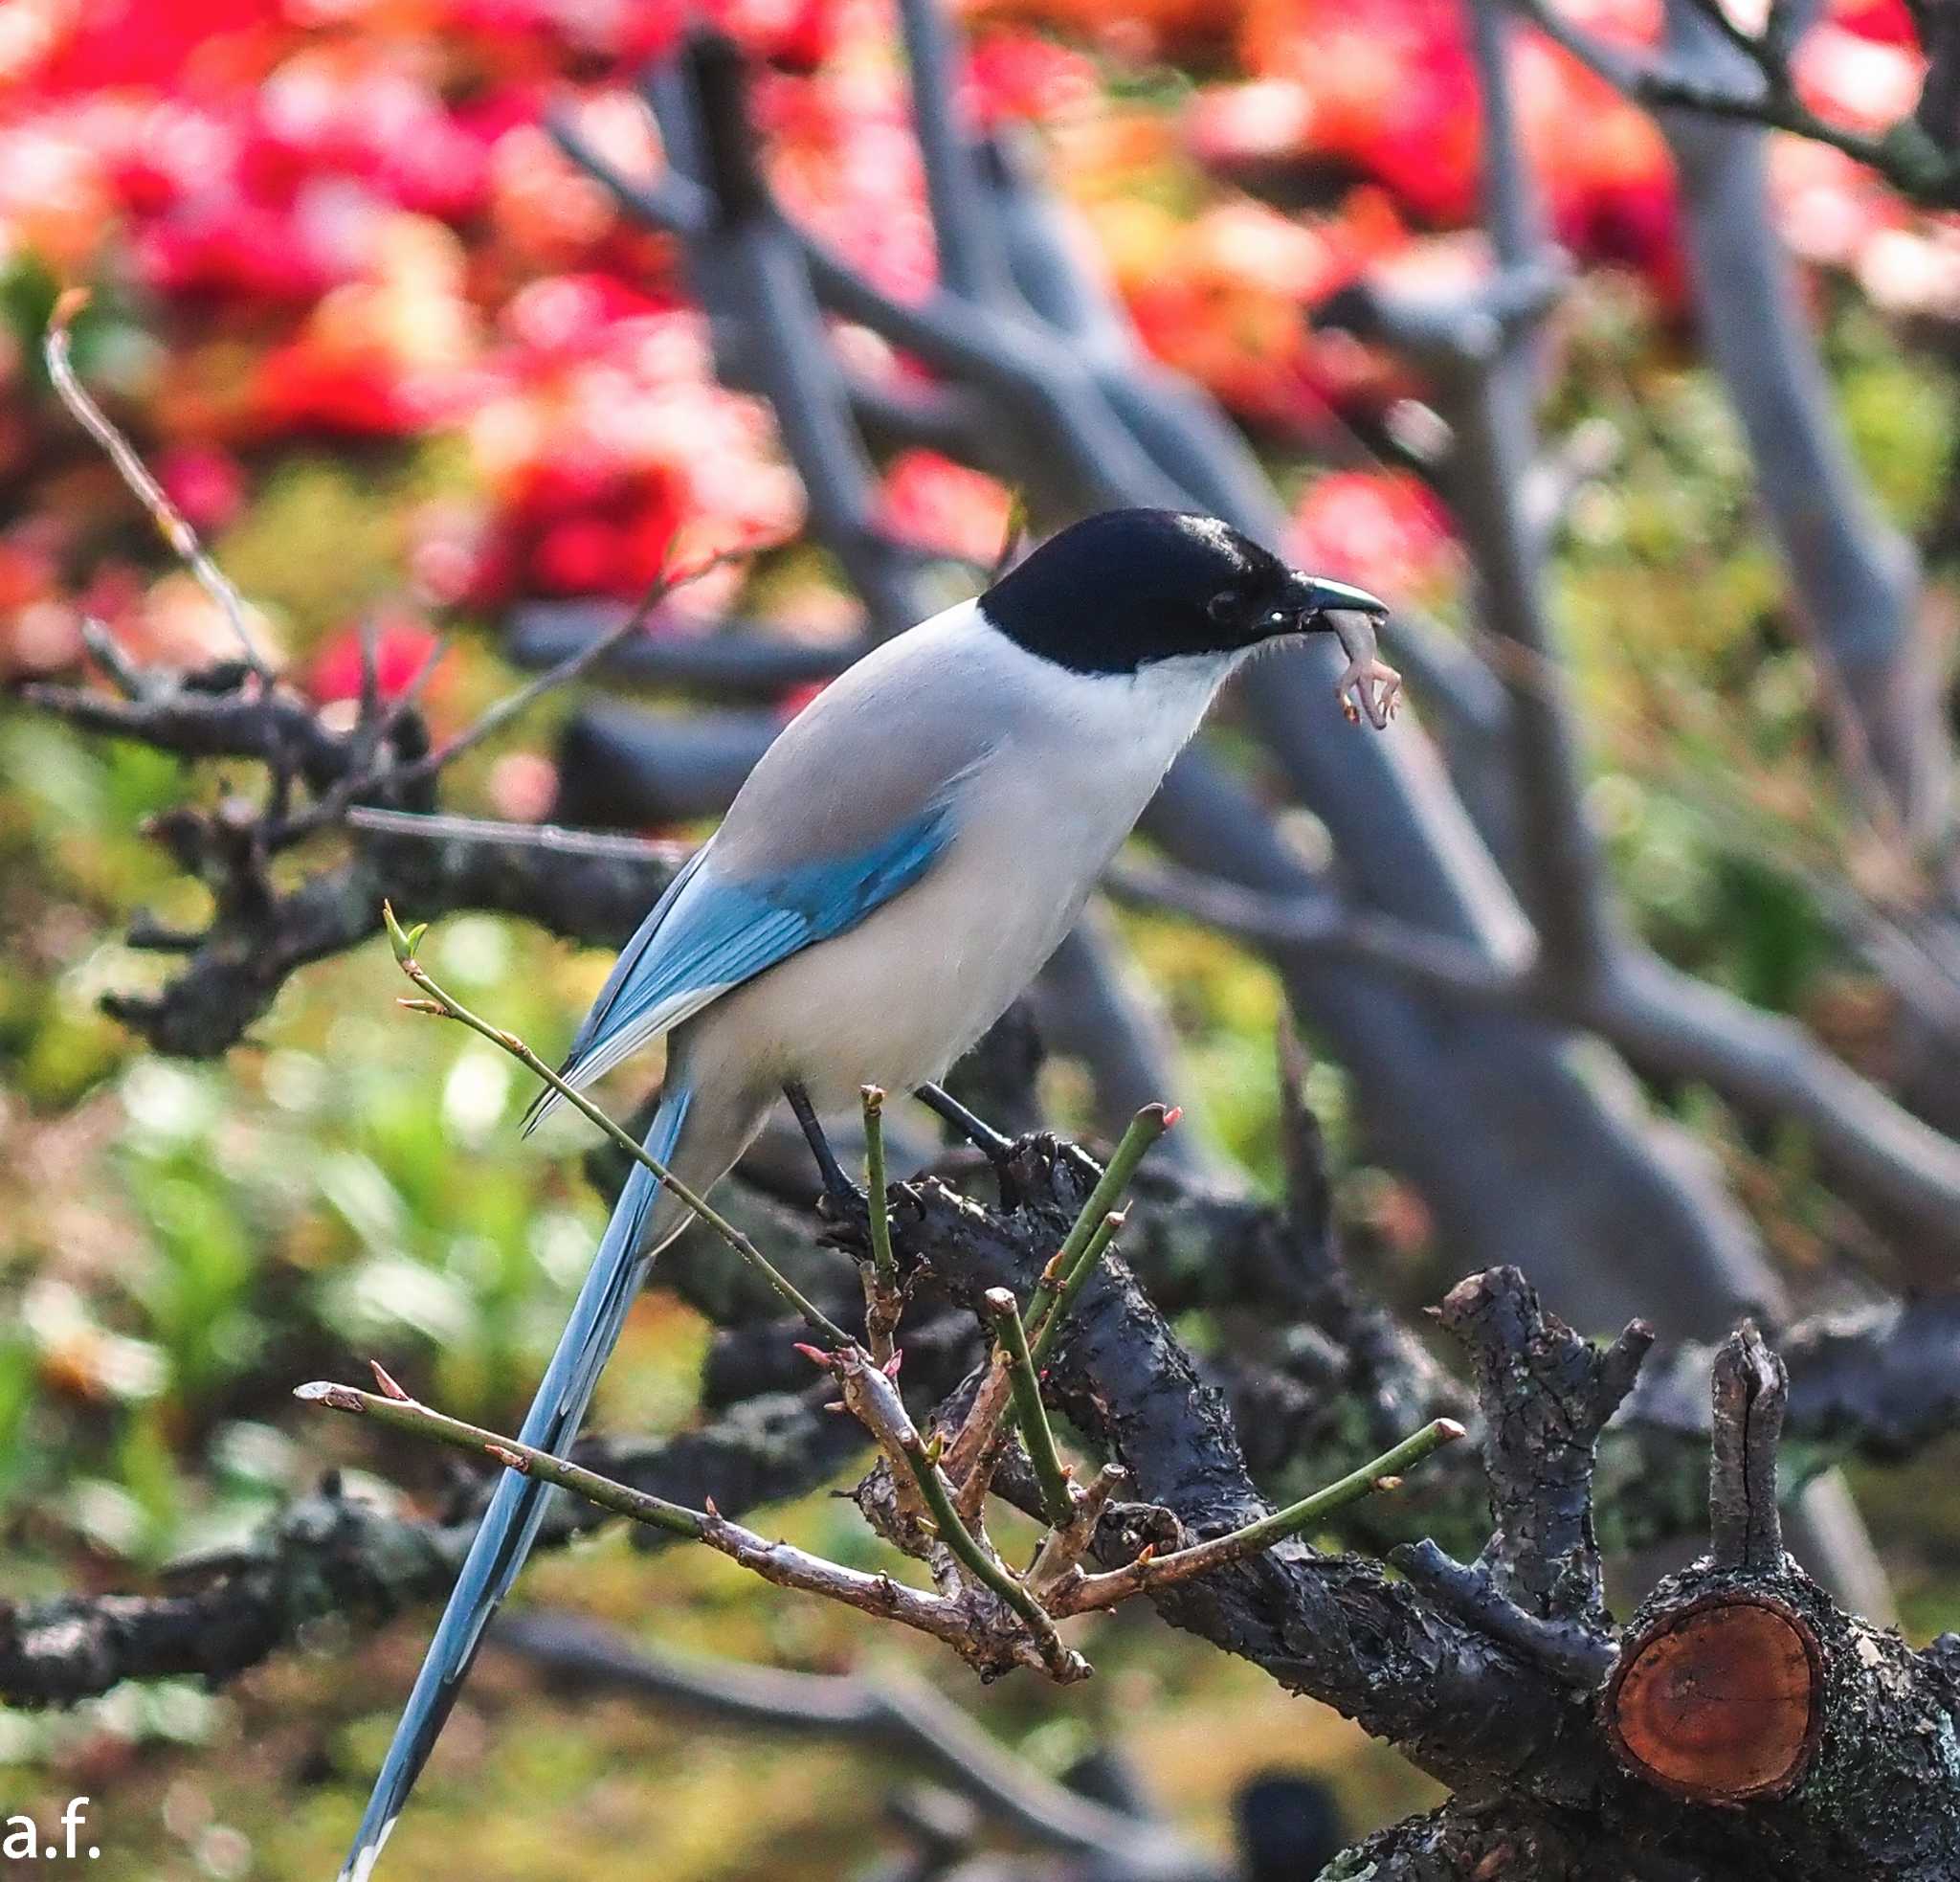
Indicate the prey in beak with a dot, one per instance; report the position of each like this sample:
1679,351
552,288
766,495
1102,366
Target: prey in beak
1367,687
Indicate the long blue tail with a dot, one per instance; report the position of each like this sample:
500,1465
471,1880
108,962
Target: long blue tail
510,1524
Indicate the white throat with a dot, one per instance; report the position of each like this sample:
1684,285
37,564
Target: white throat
1126,720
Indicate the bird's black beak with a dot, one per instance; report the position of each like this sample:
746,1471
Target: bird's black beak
1318,599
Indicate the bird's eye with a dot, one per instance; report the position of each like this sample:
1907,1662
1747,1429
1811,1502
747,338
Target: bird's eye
1223,607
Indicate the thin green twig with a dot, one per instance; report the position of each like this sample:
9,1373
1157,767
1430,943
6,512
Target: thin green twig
1057,1500
421,1420
979,1562
1383,1472
1074,1282
883,1261
884,1304
1144,1128
446,1006
1149,1572
1065,1277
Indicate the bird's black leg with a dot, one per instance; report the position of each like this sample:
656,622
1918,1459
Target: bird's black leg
978,1132
834,1181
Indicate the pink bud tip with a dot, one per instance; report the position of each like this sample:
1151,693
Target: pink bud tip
389,1388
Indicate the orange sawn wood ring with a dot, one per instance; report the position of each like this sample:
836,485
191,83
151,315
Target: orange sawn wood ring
1720,1701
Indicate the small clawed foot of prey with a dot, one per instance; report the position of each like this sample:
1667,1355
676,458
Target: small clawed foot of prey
1367,687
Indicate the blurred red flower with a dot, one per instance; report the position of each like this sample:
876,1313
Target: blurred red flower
1015,74
944,507
1382,527
205,483
351,221
403,645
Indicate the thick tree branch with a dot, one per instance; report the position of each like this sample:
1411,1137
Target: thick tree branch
1546,1395
334,1554
1125,1383
1883,1381
1664,1021
1854,581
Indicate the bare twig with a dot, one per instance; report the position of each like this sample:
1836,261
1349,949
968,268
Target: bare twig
977,1446
445,1005
437,827
513,706
377,732
738,661
1062,1549
876,1401
777,1563
124,675
981,1562
178,534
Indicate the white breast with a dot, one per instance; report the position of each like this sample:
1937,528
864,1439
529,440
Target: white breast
1070,763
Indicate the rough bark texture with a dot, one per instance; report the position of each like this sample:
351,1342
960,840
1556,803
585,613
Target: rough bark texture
1869,1783
1572,1749
1755,1732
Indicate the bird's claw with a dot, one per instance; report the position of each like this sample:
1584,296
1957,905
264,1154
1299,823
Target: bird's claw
844,1204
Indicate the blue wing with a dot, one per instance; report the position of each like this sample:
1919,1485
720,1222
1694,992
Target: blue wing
709,932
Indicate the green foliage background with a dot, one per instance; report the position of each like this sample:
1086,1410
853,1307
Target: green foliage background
180,1243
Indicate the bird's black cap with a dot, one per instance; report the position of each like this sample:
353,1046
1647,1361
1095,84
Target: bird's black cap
1119,589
